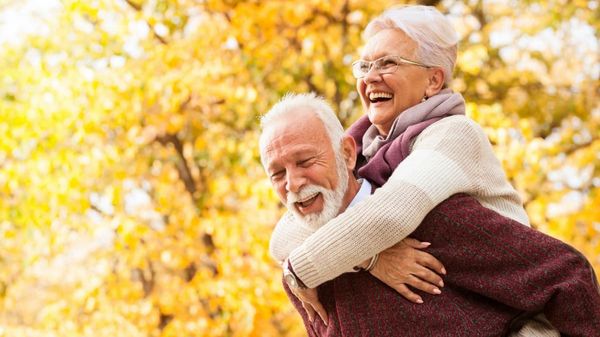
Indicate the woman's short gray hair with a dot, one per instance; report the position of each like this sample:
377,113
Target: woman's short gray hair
436,39
291,103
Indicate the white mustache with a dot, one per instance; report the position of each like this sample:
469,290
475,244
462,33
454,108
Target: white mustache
304,193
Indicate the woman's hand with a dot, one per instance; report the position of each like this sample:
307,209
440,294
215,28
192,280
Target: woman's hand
405,264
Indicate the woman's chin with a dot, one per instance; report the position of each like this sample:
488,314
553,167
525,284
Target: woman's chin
381,117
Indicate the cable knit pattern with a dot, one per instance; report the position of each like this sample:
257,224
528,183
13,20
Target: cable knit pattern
451,156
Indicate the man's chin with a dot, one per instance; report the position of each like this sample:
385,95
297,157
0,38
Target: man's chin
324,208
316,220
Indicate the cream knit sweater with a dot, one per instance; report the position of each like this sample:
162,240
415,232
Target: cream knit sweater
451,156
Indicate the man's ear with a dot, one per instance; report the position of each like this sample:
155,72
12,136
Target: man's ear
349,152
436,81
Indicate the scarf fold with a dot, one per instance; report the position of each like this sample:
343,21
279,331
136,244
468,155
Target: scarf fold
378,156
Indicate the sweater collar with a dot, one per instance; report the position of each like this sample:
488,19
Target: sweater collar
364,191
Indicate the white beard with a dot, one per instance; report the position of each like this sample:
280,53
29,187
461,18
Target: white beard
332,199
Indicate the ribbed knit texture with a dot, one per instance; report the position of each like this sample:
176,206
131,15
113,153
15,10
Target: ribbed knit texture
496,280
451,156
487,311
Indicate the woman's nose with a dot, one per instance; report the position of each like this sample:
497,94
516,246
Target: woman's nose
372,75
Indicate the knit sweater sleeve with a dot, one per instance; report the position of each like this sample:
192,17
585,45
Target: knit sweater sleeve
287,235
444,160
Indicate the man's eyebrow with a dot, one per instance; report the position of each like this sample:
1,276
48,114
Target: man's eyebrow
273,167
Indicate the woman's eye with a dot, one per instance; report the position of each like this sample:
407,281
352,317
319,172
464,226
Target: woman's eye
388,63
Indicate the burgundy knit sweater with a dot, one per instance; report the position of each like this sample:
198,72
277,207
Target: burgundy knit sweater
499,274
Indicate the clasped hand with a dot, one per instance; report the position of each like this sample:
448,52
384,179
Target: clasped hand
402,265
405,264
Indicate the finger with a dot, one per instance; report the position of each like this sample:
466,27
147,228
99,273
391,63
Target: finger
408,294
428,275
309,311
429,261
321,311
414,243
417,283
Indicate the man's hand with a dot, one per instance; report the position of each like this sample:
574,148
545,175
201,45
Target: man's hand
310,301
405,264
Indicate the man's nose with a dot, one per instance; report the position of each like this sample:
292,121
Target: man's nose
294,181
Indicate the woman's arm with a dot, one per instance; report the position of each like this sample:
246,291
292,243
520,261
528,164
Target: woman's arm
287,235
402,265
445,159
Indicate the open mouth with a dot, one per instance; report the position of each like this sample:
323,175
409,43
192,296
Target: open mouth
376,97
307,202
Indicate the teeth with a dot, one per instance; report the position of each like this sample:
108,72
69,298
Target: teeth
376,95
307,199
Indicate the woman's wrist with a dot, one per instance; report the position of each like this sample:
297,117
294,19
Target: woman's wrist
368,264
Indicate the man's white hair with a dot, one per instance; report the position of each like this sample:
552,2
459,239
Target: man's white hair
437,40
293,103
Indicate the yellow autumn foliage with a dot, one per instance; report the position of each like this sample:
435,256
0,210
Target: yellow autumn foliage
132,198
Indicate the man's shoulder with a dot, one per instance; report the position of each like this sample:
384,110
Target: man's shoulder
466,209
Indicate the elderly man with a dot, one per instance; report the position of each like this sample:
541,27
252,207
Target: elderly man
310,163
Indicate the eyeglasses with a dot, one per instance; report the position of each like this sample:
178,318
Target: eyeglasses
385,65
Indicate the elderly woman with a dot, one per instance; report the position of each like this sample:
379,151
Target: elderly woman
402,77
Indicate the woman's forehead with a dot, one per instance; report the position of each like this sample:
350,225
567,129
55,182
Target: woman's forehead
388,42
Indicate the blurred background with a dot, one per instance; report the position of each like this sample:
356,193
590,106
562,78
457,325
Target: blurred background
132,200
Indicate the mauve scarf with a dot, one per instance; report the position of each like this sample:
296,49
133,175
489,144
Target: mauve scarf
378,156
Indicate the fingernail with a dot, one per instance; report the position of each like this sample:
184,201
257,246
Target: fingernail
425,244
437,291
444,271
441,283
420,301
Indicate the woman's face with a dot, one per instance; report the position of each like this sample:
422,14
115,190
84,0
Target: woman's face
385,96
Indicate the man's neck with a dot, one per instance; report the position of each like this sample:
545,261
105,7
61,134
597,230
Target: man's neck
353,188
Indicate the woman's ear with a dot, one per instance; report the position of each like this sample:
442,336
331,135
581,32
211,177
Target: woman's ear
349,152
436,81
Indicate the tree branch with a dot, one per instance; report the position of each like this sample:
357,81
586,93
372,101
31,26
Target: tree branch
577,147
138,8
185,174
479,14
429,2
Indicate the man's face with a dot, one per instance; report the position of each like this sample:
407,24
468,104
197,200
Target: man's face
303,167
